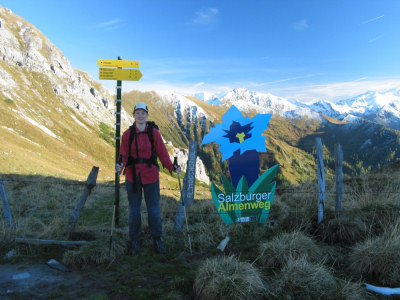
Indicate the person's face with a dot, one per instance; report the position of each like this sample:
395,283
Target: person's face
140,116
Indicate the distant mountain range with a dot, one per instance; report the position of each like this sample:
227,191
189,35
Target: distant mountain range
379,107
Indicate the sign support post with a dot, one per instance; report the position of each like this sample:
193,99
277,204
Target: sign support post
117,146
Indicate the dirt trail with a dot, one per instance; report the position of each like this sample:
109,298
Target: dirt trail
39,281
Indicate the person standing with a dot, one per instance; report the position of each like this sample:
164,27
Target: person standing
138,154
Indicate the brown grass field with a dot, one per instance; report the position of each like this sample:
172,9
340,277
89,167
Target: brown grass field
288,258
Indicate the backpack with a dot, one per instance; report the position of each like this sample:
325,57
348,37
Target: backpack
133,161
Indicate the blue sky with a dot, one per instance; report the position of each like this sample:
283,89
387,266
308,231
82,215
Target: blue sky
309,50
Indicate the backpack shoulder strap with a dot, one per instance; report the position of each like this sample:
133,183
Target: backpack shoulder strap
132,132
150,126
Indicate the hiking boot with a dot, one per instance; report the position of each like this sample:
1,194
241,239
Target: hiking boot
159,246
135,248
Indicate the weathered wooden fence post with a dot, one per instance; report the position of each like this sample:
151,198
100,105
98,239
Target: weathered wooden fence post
187,196
339,177
6,207
321,180
90,184
30,241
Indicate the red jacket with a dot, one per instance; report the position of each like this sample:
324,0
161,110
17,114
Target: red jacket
147,174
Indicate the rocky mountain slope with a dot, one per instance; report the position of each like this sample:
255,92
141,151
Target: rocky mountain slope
55,120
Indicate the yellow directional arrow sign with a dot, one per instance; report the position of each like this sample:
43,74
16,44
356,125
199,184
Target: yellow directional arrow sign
119,74
118,63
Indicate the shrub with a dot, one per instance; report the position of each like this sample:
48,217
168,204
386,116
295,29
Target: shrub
228,278
106,133
9,101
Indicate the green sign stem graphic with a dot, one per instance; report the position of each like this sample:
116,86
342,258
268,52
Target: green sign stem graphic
245,204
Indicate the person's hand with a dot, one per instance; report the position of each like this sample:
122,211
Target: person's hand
119,167
177,169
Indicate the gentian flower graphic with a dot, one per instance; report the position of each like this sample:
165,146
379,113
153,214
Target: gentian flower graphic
248,197
241,140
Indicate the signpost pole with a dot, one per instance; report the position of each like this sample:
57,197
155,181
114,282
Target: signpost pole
117,146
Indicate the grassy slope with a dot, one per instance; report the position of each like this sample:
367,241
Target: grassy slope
26,149
31,150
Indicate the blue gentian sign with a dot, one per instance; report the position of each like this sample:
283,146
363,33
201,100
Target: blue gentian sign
248,197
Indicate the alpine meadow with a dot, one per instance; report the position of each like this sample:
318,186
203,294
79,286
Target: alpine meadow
57,123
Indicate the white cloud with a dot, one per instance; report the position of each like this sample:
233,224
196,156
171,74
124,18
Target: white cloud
109,25
285,79
206,16
301,25
335,91
371,20
306,93
375,38
187,89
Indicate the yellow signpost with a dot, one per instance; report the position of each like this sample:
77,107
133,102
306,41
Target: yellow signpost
119,74
118,63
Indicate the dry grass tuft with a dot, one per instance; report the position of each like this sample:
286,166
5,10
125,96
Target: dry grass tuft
293,245
300,279
344,230
228,278
352,291
95,253
30,227
378,258
7,240
296,211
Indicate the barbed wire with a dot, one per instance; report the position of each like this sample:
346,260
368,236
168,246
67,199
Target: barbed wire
43,182
278,190
110,207
216,213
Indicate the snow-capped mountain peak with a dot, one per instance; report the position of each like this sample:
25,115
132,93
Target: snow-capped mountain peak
380,107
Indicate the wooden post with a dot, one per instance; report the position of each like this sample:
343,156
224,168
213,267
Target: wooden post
187,193
339,177
321,180
191,172
180,214
6,207
50,242
90,184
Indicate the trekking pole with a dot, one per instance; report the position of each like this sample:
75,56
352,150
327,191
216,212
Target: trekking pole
112,229
183,204
114,209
